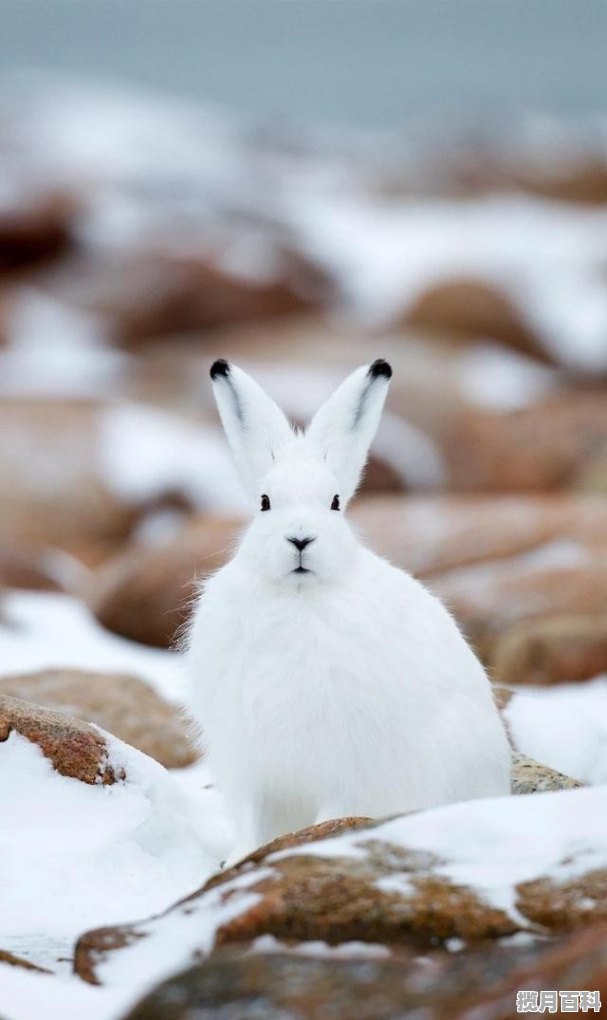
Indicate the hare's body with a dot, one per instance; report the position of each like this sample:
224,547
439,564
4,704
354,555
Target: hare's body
312,714
333,684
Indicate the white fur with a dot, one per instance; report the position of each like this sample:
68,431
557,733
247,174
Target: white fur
345,690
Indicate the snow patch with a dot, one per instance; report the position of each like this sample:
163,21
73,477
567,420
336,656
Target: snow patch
146,453
29,996
498,379
545,257
182,936
45,630
564,726
75,856
343,951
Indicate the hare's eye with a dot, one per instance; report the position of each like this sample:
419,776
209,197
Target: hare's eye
335,503
265,502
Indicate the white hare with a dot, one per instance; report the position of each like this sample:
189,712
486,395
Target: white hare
328,682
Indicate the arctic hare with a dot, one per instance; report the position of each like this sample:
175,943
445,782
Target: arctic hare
328,682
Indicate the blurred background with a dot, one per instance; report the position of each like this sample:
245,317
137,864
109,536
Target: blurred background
366,63
303,187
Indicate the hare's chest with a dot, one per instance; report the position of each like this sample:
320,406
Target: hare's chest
306,670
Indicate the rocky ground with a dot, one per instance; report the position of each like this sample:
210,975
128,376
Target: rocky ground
139,241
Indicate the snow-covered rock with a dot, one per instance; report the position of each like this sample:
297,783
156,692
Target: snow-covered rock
75,853
481,869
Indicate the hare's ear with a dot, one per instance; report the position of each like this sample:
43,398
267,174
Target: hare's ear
255,427
344,427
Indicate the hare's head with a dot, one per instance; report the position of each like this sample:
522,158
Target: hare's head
300,483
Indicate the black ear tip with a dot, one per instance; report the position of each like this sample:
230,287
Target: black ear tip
219,367
380,367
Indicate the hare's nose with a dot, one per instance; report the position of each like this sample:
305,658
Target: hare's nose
301,543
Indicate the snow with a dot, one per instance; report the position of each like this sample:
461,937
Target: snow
74,856
564,726
116,850
413,455
42,630
182,936
343,951
110,853
103,136
55,350
499,379
28,996
546,258
146,453
198,784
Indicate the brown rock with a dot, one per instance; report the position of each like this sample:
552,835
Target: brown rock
146,594
428,535
27,569
381,476
555,649
289,840
583,183
52,490
34,228
555,443
233,985
336,900
581,178
329,899
529,776
491,599
168,370
154,294
18,961
577,962
75,749
122,705
553,905
475,309
57,483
